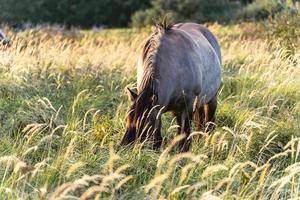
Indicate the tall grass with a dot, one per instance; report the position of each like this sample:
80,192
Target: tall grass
62,110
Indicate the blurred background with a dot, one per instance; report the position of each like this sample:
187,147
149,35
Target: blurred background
137,13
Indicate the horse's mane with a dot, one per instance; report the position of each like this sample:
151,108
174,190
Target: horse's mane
147,97
151,48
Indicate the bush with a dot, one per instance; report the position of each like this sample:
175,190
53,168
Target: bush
260,9
285,28
253,11
192,10
143,18
71,12
283,24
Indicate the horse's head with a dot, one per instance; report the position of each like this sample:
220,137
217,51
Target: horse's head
140,118
130,133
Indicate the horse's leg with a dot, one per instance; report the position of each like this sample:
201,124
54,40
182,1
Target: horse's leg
178,121
200,119
128,138
155,126
185,128
157,135
210,111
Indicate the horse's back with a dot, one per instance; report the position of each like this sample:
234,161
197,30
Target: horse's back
196,61
191,27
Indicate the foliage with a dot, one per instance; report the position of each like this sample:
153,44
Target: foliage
192,10
138,13
69,12
62,110
282,24
285,28
253,11
262,9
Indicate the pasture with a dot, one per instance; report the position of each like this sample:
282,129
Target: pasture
63,104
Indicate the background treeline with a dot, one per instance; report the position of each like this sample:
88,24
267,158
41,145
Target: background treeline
84,13
121,13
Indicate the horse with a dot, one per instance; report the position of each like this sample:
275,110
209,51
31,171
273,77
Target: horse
4,40
178,71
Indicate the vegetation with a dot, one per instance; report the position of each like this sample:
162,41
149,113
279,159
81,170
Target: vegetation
63,104
261,9
193,10
70,12
138,13
213,10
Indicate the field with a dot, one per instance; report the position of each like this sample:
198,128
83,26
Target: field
63,104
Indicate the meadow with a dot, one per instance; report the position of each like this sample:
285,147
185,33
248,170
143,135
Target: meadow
63,104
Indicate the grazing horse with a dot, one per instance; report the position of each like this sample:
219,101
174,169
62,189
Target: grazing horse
3,40
178,71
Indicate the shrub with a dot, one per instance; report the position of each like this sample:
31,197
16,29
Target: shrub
260,9
283,24
285,28
193,10
71,12
253,11
143,18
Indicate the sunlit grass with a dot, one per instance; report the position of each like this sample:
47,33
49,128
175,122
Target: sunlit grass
62,110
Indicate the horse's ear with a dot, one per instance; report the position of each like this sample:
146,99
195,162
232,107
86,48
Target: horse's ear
132,95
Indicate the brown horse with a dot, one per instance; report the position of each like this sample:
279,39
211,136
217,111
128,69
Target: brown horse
178,71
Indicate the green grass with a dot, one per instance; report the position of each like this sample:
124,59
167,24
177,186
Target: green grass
62,111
